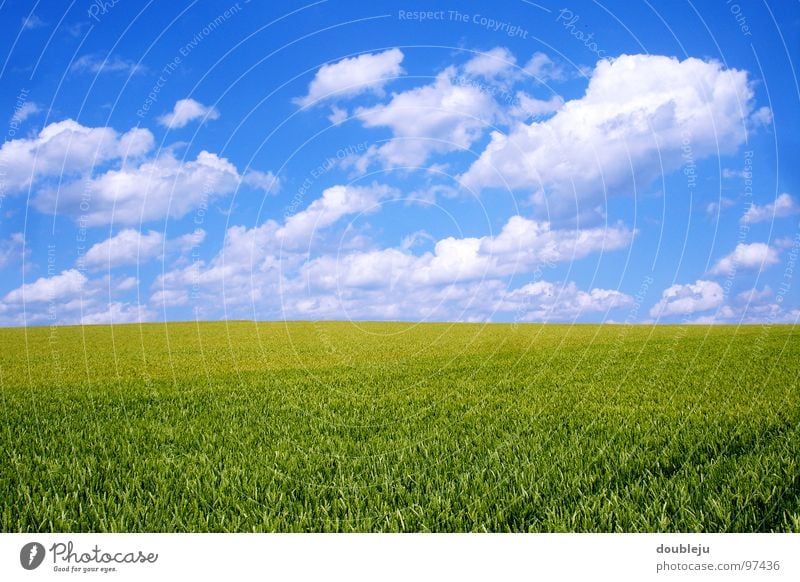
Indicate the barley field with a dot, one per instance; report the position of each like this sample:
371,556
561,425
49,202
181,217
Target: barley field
342,426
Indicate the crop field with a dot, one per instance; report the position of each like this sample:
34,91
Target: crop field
243,426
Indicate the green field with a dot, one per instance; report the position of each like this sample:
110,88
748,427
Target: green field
241,426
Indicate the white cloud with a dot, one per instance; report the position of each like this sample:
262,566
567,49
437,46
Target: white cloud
97,64
746,256
632,123
138,189
65,149
687,299
545,301
128,247
762,117
336,202
267,182
24,111
186,111
439,117
187,242
521,246
151,190
127,284
351,76
71,298
118,312
543,69
338,115
783,206
491,64
66,284
527,107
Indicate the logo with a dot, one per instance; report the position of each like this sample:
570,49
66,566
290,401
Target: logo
31,555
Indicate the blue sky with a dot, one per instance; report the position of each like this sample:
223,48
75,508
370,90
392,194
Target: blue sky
512,161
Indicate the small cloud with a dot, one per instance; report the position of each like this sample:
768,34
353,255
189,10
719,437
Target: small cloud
24,111
33,21
715,208
266,181
352,76
746,256
543,69
783,206
97,64
762,116
186,111
687,299
338,115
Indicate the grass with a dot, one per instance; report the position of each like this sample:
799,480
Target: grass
241,426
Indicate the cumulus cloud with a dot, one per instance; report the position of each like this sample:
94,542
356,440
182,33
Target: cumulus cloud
118,312
335,202
267,182
186,111
153,189
545,301
521,245
66,284
491,64
746,256
783,206
67,149
70,297
440,117
135,193
637,114
543,69
101,175
352,76
128,247
687,299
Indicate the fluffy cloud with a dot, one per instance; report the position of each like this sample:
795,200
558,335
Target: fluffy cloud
66,149
686,299
437,118
128,247
783,206
335,203
638,112
139,189
72,298
746,256
542,68
494,63
351,76
153,189
118,312
545,301
186,111
65,285
521,246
